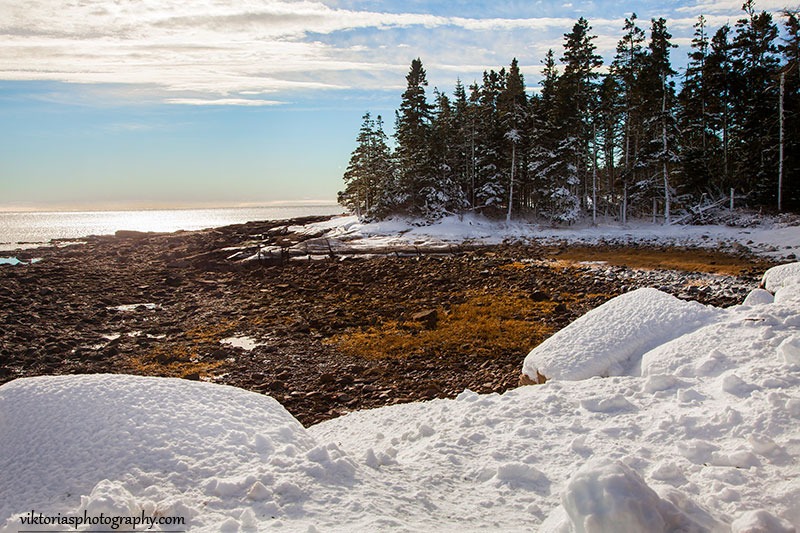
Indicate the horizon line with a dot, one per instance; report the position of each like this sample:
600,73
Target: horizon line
79,208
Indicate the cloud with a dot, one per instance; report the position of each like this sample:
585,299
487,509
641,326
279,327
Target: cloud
249,102
213,52
731,6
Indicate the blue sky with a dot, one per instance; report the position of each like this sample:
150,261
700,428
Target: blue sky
158,103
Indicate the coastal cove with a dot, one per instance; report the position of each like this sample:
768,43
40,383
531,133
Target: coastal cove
331,333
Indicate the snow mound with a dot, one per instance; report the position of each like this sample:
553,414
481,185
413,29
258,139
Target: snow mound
609,497
760,522
781,276
610,339
93,440
759,297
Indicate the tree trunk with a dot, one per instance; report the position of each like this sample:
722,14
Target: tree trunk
511,185
594,175
667,220
780,146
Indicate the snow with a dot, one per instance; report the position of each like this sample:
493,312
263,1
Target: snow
348,232
611,338
781,276
702,437
241,341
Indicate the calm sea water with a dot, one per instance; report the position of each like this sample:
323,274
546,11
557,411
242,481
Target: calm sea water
39,227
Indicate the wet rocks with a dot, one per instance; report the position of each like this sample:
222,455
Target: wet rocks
61,315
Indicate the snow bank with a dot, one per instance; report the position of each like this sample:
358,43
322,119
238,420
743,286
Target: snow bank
610,339
768,239
781,276
122,444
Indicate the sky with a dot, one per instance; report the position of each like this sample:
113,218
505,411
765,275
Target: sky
165,103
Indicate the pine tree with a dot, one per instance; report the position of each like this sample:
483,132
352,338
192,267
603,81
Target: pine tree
541,153
610,129
576,102
625,69
412,133
490,179
443,193
719,74
513,110
697,138
789,168
368,177
755,95
464,133
660,153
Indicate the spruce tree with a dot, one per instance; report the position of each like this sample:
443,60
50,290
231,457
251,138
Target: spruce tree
491,171
369,177
513,110
698,141
412,133
660,152
790,170
719,74
576,102
626,69
755,98
542,152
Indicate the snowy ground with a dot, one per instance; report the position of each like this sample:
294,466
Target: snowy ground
696,430
770,239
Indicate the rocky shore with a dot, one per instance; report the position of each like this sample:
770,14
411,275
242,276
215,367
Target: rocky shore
324,332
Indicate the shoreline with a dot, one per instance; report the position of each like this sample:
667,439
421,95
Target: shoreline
323,337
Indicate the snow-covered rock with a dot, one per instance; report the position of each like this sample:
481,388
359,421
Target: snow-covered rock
759,297
97,441
610,339
781,276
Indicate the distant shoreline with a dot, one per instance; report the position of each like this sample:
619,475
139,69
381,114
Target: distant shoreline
35,228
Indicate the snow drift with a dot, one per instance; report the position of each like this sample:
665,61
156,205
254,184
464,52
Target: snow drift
611,339
705,439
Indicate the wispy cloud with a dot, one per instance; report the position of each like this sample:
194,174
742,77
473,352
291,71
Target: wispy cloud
260,52
223,101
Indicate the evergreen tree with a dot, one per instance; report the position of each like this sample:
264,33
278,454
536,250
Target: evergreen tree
755,97
625,69
369,175
412,133
542,152
490,178
660,153
610,129
513,110
697,137
464,133
443,194
719,74
576,103
789,171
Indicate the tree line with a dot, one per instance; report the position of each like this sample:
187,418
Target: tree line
622,143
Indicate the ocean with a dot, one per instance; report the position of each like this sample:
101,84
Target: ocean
35,228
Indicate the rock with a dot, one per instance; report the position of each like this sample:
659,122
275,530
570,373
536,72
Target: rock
539,296
428,318
326,378
525,380
129,234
